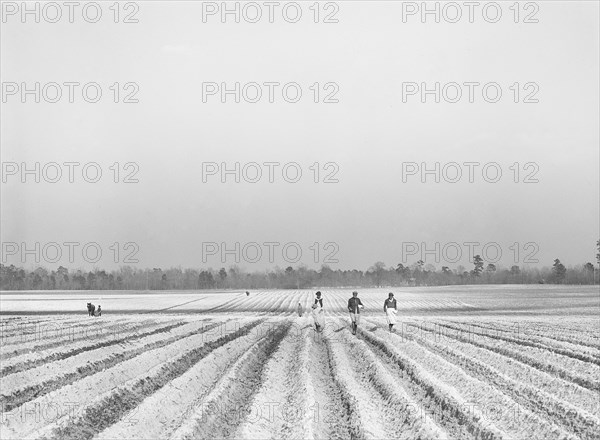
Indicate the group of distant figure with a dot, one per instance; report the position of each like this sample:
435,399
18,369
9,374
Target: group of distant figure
92,311
354,307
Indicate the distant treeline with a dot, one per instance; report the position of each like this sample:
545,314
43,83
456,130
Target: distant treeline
301,277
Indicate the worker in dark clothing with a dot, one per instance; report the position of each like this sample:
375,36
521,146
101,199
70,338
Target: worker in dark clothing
354,306
317,312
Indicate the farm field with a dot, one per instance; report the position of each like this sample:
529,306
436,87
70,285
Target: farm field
468,362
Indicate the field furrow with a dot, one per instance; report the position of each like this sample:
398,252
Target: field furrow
31,360
21,387
542,333
386,405
585,375
70,334
536,343
68,403
454,414
522,372
571,418
161,413
497,412
112,408
219,414
24,326
283,407
333,413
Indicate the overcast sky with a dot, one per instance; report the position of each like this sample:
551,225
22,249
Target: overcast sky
369,134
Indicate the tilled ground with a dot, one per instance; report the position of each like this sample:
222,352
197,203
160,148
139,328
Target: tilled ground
273,376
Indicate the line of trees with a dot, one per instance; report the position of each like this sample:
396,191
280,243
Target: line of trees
301,277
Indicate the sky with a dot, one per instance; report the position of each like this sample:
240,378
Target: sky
371,145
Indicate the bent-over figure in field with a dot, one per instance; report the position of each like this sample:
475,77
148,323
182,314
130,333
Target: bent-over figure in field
354,306
317,312
390,310
91,308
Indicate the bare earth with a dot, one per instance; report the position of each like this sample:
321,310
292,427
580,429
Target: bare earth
466,362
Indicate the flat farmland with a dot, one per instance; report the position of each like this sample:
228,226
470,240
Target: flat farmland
464,362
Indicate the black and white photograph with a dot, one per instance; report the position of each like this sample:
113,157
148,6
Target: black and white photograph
311,219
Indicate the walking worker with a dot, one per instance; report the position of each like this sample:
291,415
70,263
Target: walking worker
390,310
99,311
317,312
319,299
354,306
300,310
